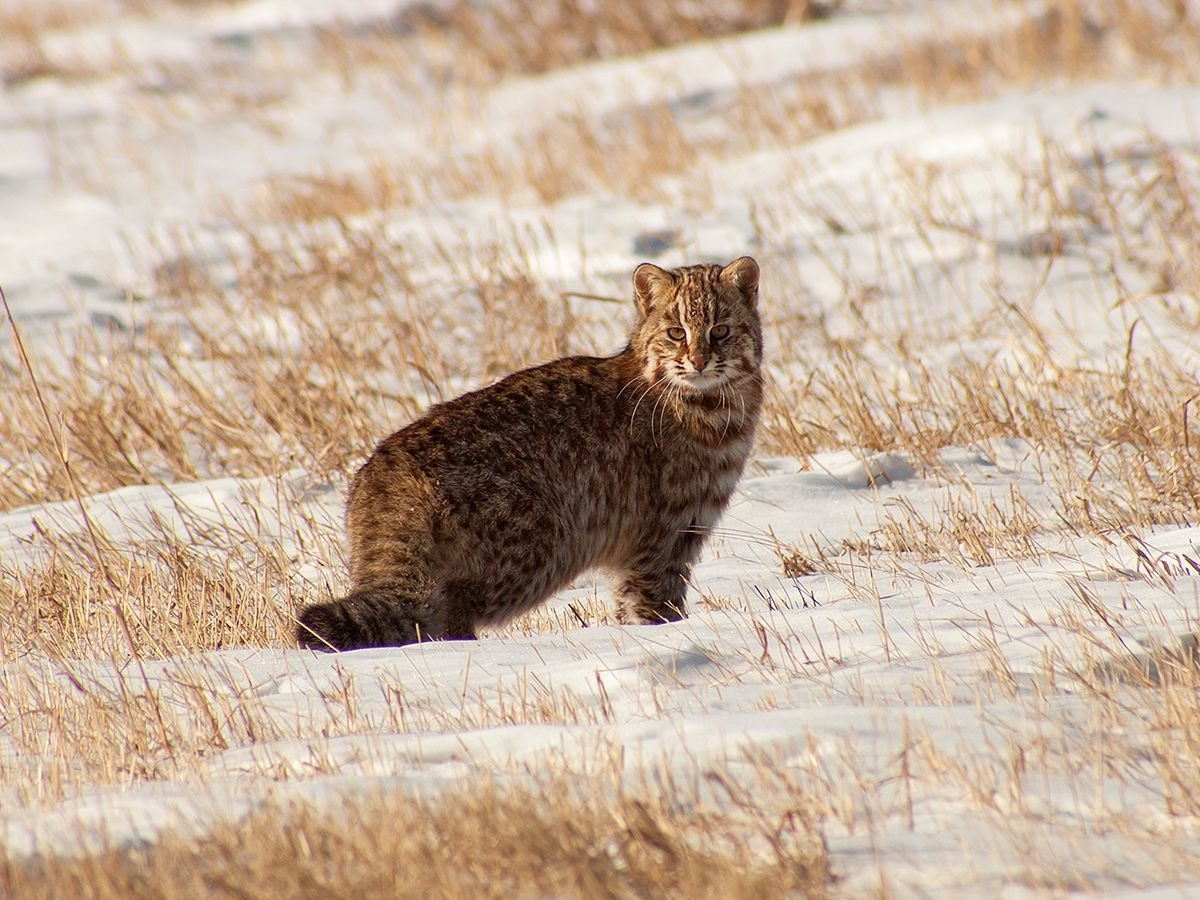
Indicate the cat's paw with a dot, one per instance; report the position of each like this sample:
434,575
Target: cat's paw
322,626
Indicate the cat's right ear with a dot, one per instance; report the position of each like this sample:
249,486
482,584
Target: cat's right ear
742,273
649,282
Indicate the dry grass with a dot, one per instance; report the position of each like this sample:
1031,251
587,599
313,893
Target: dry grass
338,305
1125,422
633,150
312,328
480,43
25,27
452,57
963,529
161,597
556,840
1062,41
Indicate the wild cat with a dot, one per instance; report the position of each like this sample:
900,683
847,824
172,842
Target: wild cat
491,502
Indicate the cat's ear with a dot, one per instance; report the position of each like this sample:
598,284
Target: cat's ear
649,281
742,274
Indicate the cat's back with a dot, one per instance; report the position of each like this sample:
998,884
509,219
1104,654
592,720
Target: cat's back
548,435
526,413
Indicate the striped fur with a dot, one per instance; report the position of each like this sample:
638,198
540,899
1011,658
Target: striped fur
490,503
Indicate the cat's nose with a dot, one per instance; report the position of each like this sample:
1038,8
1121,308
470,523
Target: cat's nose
698,361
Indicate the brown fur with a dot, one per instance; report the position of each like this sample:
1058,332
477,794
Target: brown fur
490,503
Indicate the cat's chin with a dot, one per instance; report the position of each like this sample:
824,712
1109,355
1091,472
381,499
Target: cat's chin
702,383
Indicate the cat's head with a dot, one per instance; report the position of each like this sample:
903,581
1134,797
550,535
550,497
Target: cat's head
698,327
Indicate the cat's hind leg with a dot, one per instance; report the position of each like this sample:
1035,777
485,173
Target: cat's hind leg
378,615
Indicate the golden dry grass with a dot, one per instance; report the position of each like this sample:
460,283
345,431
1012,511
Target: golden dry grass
349,336
555,840
482,42
316,330
631,151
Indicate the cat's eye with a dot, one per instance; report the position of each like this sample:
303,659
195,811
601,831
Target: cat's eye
676,334
718,332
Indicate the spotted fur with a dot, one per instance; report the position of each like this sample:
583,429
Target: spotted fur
490,503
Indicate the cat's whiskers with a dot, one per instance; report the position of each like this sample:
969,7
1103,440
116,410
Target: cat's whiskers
650,385
730,534
673,404
663,395
634,380
728,415
670,403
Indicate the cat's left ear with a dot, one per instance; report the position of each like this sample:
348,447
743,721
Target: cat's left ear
649,281
742,274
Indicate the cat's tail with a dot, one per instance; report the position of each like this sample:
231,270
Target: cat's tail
369,616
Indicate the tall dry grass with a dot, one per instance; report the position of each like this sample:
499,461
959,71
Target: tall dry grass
553,840
314,330
347,332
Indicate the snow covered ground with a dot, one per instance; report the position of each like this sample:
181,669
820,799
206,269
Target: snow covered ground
977,655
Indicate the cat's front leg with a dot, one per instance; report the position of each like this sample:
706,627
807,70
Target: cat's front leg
650,599
653,587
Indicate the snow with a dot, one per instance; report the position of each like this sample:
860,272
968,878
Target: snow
823,672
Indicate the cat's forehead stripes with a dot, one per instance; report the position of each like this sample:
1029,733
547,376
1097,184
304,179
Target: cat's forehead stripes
696,292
